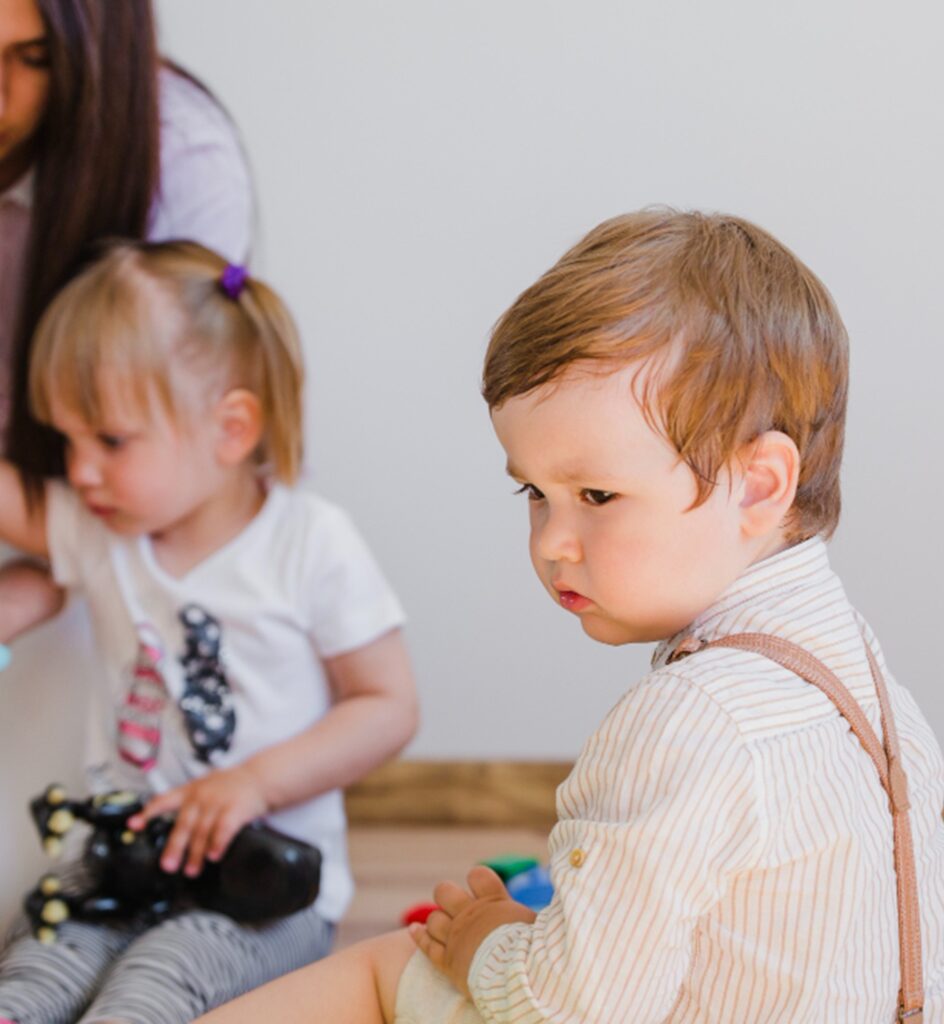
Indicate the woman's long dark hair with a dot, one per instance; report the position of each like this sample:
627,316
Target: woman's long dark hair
97,166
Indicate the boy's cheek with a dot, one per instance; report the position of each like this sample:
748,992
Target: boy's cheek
537,563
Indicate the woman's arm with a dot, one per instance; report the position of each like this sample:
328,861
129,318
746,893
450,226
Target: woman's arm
28,597
21,524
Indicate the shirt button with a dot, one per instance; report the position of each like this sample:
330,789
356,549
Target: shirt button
577,857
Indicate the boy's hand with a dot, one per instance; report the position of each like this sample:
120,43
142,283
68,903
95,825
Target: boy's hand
453,933
210,811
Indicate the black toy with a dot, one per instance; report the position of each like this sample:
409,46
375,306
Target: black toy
262,875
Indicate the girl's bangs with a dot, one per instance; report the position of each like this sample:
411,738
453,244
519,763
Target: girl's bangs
93,332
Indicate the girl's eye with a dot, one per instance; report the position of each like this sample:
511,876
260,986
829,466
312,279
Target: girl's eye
532,492
111,441
592,497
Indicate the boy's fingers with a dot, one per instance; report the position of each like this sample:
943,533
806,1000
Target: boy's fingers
438,925
451,897
485,883
430,947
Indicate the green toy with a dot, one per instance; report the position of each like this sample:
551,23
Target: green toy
509,865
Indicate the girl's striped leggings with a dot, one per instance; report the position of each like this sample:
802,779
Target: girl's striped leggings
168,973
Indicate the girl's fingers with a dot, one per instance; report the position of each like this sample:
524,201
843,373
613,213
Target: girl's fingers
224,832
156,806
179,838
199,841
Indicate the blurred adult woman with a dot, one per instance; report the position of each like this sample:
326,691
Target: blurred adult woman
98,138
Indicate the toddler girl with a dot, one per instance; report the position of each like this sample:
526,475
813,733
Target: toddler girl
176,381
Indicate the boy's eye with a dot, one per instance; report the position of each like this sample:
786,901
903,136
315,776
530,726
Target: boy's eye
532,492
592,497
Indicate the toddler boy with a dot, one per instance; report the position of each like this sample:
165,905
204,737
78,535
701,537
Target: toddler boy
671,397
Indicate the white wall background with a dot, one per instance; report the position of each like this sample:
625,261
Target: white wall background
419,163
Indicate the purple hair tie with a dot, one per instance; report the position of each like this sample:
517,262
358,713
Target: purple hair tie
233,279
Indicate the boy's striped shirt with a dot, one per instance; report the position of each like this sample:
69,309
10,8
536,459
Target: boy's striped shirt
724,848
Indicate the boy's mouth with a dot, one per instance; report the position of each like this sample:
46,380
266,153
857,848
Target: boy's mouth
571,600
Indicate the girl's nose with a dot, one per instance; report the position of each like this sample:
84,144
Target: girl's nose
82,471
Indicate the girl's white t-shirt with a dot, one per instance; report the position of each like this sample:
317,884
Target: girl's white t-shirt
296,586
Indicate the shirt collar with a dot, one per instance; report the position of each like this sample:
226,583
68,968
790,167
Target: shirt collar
20,193
765,584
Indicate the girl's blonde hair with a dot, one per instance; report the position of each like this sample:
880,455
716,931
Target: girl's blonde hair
746,337
158,315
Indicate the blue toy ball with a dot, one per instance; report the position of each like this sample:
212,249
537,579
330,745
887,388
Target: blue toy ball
532,888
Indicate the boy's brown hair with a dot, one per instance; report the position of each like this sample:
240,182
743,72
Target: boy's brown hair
744,337
157,313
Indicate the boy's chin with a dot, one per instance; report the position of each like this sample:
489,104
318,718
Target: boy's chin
606,631
616,634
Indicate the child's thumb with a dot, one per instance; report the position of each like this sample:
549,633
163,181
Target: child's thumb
485,883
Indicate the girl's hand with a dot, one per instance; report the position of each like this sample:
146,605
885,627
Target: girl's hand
210,811
453,933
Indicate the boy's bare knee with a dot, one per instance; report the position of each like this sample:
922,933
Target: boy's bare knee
388,956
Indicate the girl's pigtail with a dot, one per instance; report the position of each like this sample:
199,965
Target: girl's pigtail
280,369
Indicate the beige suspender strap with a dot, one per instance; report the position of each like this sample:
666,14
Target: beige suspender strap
886,756
909,917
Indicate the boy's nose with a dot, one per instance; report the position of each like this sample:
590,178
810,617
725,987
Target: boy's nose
554,539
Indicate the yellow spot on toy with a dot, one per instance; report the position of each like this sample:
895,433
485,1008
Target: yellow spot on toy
55,912
60,821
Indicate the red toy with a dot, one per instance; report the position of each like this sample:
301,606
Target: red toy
417,914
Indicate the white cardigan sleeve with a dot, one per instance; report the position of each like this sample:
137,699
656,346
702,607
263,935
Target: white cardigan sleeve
205,191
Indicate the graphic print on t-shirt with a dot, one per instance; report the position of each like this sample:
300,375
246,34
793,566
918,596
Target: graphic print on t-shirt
139,718
207,700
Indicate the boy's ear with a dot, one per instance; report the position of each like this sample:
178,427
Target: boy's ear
770,469
238,416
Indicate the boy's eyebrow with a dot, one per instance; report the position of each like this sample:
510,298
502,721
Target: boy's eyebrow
569,474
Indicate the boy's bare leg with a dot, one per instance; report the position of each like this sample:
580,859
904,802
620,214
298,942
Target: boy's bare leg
28,597
356,986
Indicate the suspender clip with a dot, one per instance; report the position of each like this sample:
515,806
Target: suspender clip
688,645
